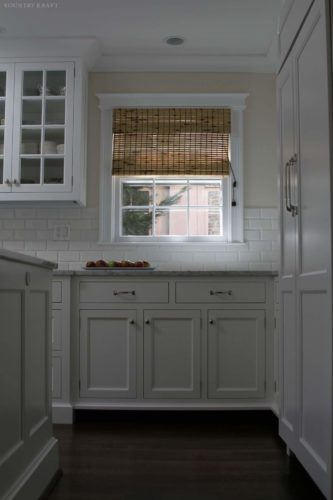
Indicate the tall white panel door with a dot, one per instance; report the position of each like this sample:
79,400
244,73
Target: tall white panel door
287,323
236,354
314,250
108,353
171,354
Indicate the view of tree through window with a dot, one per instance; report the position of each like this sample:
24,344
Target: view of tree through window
171,207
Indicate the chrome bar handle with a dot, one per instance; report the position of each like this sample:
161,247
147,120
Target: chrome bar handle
286,185
220,292
293,163
124,292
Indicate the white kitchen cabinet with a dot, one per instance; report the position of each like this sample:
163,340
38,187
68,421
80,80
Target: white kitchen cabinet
62,411
143,340
108,354
28,452
306,260
236,353
171,354
42,131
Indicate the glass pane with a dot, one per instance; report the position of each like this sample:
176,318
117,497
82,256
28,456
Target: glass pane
30,141
32,83
2,139
205,194
2,112
137,194
136,222
1,171
55,112
171,222
31,112
53,171
54,141
30,171
3,84
205,222
56,82
170,194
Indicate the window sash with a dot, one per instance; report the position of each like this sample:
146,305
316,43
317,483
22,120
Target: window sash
222,209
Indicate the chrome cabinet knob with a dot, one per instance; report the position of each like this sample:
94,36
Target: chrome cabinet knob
7,181
211,322
132,322
147,321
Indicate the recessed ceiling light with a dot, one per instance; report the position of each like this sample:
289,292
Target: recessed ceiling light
174,40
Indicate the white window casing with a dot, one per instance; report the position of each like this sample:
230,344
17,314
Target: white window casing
107,102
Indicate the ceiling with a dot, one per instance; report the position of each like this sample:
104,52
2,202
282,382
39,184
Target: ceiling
219,35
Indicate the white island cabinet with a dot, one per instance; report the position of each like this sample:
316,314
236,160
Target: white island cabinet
28,451
153,339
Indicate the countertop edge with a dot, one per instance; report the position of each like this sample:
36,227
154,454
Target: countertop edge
26,259
170,274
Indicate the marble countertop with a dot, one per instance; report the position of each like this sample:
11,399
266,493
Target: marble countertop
166,274
26,259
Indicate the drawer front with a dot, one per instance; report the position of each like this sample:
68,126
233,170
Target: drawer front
56,291
220,292
124,292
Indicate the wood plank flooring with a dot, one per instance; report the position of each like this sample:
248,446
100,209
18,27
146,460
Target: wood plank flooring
178,456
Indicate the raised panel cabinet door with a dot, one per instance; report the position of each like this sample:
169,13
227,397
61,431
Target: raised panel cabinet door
236,354
314,266
108,354
171,354
288,242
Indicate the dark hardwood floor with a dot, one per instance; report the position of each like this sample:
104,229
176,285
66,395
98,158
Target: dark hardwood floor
178,456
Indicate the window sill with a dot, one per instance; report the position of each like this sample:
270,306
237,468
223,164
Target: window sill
222,244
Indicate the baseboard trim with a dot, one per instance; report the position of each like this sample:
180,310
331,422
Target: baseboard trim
38,475
62,413
49,488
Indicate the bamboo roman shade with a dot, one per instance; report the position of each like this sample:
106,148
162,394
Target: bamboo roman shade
171,141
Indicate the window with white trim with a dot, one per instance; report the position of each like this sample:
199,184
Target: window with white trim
186,192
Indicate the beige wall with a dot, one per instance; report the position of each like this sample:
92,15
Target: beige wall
260,165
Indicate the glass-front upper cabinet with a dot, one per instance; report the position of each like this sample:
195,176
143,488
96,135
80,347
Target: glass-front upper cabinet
43,127
6,116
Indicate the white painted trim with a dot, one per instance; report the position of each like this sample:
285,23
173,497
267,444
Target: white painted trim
109,101
38,475
186,63
62,413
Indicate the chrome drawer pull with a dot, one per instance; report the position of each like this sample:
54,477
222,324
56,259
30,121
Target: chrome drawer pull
220,292
125,292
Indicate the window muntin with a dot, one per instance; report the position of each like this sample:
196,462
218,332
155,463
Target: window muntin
172,209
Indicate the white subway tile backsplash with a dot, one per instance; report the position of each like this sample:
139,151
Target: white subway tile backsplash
31,230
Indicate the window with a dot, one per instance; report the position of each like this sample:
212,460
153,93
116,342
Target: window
164,208
170,177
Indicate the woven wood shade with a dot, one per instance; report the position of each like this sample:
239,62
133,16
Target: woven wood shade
176,141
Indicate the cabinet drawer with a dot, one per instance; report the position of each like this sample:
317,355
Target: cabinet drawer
56,291
219,292
124,291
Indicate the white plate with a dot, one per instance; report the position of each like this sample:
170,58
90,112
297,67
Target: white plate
150,268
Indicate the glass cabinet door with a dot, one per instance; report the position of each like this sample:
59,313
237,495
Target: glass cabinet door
6,113
44,128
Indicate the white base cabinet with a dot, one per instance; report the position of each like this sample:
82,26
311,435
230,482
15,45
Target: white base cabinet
236,354
108,353
171,361
163,341
28,452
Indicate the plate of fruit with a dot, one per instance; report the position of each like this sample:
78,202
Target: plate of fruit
118,265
